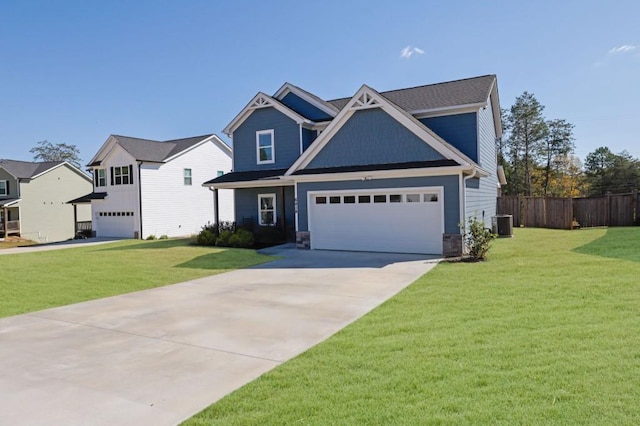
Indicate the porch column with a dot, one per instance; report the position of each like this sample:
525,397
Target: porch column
5,215
284,220
75,220
216,209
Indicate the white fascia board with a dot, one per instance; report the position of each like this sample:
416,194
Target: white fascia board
67,164
250,184
383,174
452,110
104,150
308,97
13,202
264,101
404,118
213,138
495,106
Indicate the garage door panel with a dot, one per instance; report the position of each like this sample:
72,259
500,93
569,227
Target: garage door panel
408,227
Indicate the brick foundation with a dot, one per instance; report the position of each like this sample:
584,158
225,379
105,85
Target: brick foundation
303,240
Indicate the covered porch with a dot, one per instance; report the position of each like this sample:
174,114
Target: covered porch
9,217
264,203
84,228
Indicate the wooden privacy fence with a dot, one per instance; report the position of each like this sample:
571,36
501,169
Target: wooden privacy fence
568,213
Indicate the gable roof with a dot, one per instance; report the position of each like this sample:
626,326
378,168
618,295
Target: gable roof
33,169
366,98
159,151
465,92
27,169
309,97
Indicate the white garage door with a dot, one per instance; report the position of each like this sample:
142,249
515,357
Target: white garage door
401,221
115,224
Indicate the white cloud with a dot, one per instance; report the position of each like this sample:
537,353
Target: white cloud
408,51
625,48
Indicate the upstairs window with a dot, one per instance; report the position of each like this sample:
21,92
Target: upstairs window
267,209
100,177
187,177
121,175
264,147
4,187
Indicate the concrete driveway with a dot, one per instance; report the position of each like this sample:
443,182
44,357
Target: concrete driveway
159,356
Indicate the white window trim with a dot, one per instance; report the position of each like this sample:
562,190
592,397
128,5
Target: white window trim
273,146
104,172
5,192
185,177
123,172
275,209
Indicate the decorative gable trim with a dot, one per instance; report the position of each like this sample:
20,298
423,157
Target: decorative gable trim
263,101
308,97
367,98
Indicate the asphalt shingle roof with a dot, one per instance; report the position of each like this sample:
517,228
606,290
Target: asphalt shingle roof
248,176
157,151
27,169
440,95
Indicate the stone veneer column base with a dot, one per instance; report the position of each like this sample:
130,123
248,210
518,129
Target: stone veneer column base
303,240
451,245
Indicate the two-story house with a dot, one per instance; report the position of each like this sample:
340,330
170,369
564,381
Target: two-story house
394,171
34,196
145,187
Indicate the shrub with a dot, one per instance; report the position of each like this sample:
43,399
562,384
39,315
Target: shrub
226,225
206,238
163,237
241,239
477,239
151,237
223,238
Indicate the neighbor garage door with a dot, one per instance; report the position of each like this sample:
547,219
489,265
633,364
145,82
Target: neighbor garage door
115,224
401,221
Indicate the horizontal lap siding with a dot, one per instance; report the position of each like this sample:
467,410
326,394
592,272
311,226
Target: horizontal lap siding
169,207
481,201
373,137
459,130
450,184
45,215
304,108
286,135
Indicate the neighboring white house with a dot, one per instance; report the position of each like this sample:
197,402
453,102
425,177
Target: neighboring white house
144,187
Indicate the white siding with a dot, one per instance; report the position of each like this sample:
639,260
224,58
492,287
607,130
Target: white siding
120,198
483,199
169,207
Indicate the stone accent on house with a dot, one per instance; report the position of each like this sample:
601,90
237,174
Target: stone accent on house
451,245
303,240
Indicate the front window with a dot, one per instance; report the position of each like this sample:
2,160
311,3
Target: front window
121,175
4,190
264,146
100,177
267,209
187,177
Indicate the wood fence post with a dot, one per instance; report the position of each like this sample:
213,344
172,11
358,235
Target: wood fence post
636,207
608,209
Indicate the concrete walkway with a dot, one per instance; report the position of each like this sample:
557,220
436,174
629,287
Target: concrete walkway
159,356
59,246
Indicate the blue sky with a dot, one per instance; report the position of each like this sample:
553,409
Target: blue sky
77,71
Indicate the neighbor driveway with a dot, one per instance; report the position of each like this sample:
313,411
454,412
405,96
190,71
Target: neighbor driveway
159,356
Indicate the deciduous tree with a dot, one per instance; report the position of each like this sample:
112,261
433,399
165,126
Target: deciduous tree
46,151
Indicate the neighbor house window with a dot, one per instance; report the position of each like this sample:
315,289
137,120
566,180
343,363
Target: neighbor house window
100,177
267,209
264,146
121,175
4,187
187,177
220,173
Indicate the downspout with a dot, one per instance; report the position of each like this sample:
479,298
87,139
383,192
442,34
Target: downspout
463,197
140,198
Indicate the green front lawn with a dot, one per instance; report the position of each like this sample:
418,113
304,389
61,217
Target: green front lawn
546,332
34,281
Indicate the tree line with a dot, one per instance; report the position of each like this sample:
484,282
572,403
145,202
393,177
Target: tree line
538,157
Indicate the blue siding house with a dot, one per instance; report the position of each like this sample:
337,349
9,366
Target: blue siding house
395,171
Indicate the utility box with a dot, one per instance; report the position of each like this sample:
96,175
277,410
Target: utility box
502,225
